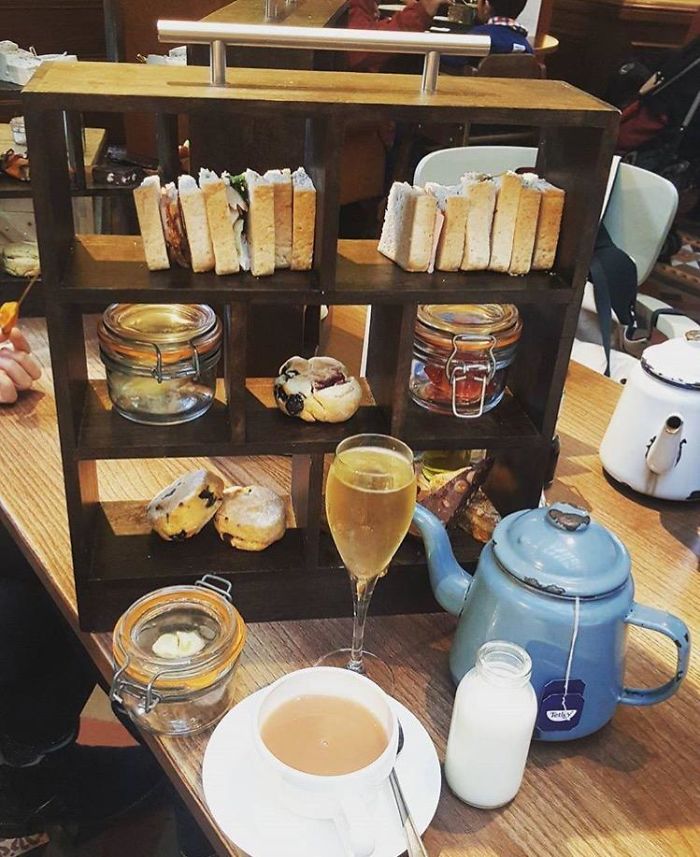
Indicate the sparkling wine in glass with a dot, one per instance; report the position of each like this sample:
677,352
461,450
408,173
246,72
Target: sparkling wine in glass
370,497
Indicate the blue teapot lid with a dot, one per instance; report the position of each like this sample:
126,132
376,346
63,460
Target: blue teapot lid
560,550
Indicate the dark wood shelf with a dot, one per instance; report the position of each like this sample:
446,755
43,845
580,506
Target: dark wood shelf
365,276
125,566
115,559
104,434
111,268
507,425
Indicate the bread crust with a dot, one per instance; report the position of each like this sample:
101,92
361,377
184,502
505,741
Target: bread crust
303,227
504,221
261,225
481,201
548,228
220,227
147,201
282,190
525,230
196,224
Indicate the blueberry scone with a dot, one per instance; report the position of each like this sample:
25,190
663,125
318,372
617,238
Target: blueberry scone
182,509
317,390
251,518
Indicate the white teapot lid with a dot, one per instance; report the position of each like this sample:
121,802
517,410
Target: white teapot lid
676,361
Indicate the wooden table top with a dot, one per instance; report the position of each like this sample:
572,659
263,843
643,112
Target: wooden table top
95,139
631,789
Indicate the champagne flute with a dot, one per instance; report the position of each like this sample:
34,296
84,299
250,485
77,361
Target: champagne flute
370,497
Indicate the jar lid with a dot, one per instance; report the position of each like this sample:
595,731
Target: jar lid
202,614
560,550
139,333
482,325
676,361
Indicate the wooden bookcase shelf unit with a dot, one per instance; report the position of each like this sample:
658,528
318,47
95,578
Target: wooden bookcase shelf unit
300,576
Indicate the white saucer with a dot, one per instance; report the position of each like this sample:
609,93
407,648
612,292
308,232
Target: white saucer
240,800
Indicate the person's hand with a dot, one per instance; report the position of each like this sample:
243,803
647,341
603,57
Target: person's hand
18,366
431,6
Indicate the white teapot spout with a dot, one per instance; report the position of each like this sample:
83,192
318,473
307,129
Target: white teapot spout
664,451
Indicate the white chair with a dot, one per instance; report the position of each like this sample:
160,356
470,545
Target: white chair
638,216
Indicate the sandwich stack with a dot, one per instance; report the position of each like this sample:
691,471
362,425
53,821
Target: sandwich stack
508,223
229,223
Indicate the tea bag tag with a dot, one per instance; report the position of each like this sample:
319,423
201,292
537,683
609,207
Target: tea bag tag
562,700
560,708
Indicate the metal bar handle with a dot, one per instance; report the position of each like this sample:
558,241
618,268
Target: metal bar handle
433,45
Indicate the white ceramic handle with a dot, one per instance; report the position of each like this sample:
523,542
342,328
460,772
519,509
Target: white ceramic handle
354,826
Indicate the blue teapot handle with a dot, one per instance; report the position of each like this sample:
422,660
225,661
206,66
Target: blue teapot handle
671,627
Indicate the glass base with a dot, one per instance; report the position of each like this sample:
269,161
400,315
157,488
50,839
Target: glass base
373,667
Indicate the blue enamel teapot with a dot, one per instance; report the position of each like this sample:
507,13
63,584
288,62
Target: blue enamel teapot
558,584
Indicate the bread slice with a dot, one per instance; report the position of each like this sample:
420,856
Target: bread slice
453,205
509,186
261,224
525,225
282,181
147,201
303,220
480,191
220,222
409,224
195,214
548,226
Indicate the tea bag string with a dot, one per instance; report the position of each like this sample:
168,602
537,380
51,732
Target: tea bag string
577,615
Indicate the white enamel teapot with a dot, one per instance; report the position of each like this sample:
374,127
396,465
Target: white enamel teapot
653,441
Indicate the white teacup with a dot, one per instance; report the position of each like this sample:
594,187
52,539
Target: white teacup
346,798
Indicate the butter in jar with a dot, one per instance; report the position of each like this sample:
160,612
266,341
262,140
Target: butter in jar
461,355
175,655
161,360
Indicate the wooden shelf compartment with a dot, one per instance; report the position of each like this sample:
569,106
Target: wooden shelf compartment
105,434
112,269
127,564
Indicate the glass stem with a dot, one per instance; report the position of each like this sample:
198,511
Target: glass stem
361,596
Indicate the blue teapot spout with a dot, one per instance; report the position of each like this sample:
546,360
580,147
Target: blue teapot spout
449,580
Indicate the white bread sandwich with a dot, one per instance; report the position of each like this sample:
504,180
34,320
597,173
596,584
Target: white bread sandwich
525,224
480,191
261,224
196,226
509,186
452,206
548,226
147,201
220,222
282,182
409,227
303,220
174,226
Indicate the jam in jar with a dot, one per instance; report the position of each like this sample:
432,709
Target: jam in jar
461,355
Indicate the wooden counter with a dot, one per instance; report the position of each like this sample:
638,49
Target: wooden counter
632,789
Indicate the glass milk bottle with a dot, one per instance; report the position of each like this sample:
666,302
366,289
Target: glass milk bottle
492,723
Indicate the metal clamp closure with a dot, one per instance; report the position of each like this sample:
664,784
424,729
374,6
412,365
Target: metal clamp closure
149,697
456,371
158,370
217,584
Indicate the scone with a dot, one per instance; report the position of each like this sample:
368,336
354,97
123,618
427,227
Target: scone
21,259
317,390
251,518
182,509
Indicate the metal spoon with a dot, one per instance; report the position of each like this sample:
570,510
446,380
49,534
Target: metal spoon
415,843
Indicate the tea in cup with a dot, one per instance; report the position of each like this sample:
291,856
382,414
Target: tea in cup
329,737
